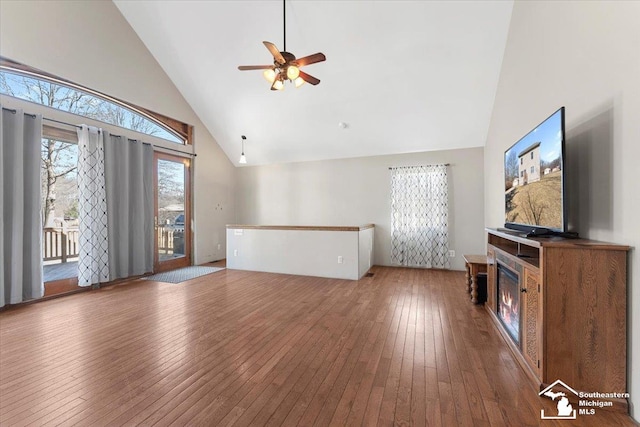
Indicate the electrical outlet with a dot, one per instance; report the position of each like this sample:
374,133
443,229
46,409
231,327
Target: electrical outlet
235,252
219,246
340,260
452,253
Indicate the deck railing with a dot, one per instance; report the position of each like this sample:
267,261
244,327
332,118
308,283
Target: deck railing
170,239
59,243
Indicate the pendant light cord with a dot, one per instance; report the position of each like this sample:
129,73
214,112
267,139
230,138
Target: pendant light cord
284,23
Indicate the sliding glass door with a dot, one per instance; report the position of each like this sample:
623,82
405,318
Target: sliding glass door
172,212
59,193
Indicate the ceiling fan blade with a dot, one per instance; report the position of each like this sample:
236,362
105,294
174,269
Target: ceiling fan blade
254,67
309,79
311,59
275,52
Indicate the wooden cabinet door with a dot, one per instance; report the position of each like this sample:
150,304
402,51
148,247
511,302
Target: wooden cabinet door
532,321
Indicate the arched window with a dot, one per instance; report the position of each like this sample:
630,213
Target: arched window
65,97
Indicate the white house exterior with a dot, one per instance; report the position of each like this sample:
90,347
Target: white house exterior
529,164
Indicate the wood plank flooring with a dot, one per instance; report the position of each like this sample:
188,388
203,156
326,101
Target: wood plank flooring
404,347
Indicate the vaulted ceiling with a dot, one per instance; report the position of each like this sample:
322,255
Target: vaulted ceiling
405,76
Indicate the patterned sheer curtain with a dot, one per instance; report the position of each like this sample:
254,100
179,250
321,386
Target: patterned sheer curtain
419,209
93,257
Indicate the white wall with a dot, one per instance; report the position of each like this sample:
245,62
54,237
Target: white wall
92,44
585,56
356,191
302,252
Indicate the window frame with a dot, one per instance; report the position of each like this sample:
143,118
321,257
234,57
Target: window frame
180,130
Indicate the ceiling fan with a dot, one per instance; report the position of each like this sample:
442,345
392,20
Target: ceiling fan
285,65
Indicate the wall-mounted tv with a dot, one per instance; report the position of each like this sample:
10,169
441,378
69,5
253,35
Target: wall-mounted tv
534,179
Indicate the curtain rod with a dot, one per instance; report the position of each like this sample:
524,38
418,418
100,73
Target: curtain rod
112,134
400,167
12,110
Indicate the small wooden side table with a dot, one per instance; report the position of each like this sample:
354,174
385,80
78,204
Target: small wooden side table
474,264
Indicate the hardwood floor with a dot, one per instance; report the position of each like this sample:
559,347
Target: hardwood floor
403,347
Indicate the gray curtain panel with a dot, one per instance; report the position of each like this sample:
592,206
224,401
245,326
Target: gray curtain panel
129,184
419,211
20,207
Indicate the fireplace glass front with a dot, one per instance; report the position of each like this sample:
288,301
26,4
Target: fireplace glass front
509,302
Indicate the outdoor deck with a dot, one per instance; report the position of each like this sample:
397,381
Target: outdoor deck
60,246
65,270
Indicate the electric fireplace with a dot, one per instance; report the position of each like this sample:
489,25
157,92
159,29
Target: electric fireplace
508,298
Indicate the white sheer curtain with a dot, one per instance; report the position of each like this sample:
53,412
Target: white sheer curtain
93,258
20,207
419,210
129,184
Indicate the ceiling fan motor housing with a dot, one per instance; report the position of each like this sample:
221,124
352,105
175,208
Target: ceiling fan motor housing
288,57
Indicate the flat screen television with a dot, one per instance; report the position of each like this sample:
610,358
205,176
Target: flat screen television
534,177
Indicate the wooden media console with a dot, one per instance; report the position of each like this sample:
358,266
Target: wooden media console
572,305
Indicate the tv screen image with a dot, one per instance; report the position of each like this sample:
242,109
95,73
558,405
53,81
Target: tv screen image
534,178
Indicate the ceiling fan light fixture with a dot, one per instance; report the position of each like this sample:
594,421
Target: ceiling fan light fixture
293,72
277,85
270,75
298,82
